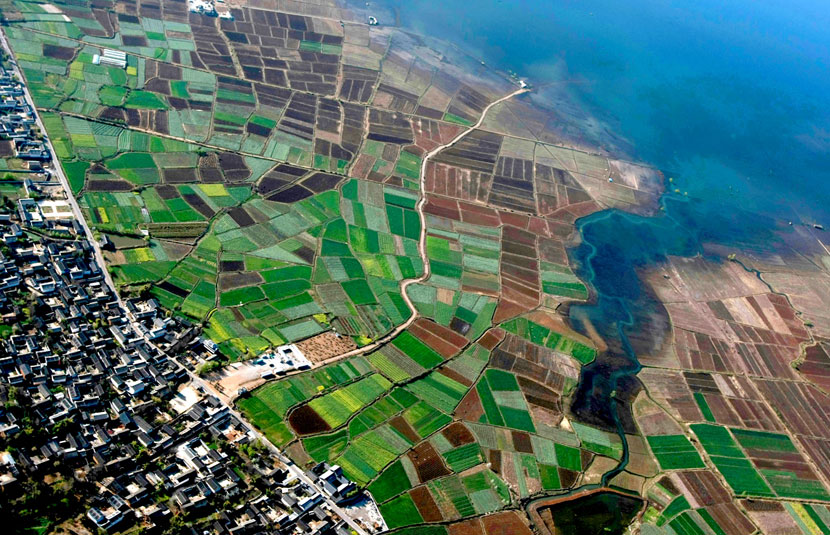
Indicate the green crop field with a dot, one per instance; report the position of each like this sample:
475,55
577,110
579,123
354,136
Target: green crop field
541,335
265,419
502,402
425,419
762,440
326,447
439,390
501,380
392,481
730,461
336,407
674,508
705,410
674,452
568,457
764,445
274,400
417,350
144,100
464,457
400,512
359,292
240,296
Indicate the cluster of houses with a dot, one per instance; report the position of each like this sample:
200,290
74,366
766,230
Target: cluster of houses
17,120
89,386
121,413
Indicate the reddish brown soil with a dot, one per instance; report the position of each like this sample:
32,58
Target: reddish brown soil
816,365
521,442
458,434
426,505
403,427
705,487
468,527
479,219
519,273
759,505
567,477
305,421
443,340
586,457
514,220
495,461
491,338
539,395
505,523
470,408
507,310
455,376
442,208
427,462
479,215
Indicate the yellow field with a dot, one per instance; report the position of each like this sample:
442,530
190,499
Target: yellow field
214,190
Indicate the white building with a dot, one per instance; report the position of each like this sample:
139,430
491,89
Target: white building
281,360
114,58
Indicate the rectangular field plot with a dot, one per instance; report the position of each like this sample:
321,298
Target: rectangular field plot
543,336
781,464
370,452
730,461
441,391
336,407
400,512
265,419
675,452
393,481
417,350
503,405
425,419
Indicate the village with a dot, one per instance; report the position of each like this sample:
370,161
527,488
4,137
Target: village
94,402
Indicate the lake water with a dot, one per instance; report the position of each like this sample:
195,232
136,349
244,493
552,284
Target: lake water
728,98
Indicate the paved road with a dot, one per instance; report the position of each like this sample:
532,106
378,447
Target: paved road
293,468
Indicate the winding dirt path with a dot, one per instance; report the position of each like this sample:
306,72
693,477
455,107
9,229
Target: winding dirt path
422,250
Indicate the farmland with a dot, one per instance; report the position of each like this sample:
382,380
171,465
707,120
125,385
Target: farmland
260,176
225,196
674,452
401,438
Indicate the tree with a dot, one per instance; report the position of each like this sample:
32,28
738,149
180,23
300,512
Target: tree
178,526
13,395
209,367
63,427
